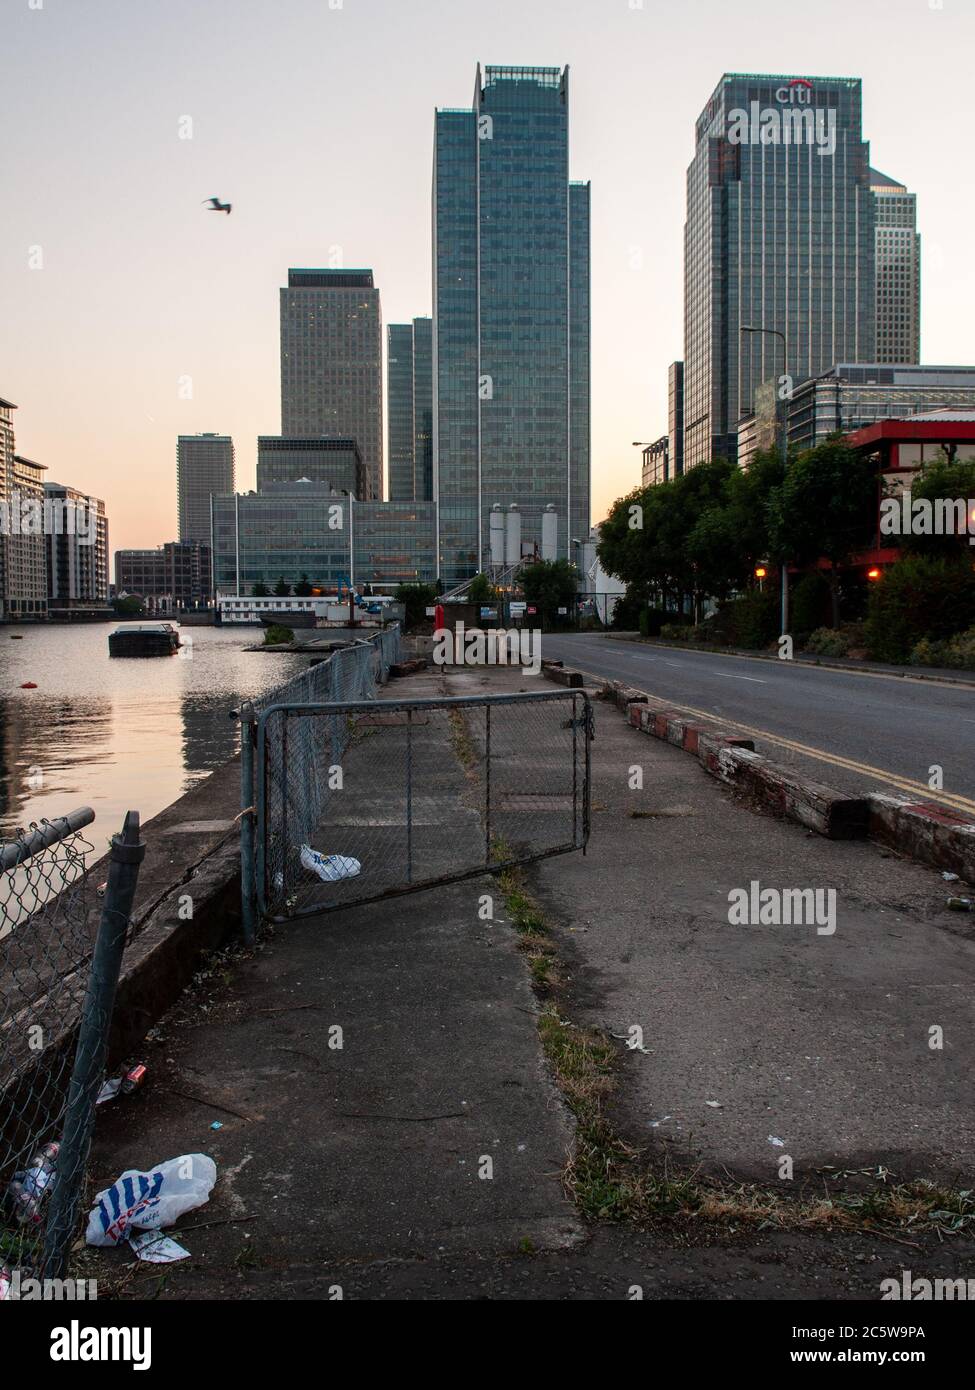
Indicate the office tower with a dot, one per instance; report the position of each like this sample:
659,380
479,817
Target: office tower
337,462
511,319
898,258
331,362
409,379
779,236
675,417
204,468
76,550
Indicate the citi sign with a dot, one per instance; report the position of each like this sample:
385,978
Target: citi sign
792,122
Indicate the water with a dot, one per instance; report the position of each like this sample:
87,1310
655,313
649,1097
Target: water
123,733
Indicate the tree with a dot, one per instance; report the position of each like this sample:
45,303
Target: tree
949,481
129,606
303,587
481,590
282,588
549,585
416,598
826,506
260,590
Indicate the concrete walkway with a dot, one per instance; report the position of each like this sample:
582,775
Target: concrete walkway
360,1167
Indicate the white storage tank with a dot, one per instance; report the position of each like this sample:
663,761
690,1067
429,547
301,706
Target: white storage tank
512,551
550,533
497,535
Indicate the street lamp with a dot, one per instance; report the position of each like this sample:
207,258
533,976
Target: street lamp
775,333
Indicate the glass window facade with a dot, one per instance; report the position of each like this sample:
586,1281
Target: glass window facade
511,317
779,235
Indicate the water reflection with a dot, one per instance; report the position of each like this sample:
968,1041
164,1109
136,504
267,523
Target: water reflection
119,733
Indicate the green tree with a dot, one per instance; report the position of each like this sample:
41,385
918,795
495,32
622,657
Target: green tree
481,590
826,506
131,606
550,585
920,597
282,588
260,590
944,480
416,598
303,587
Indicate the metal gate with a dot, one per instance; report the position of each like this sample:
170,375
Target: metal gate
396,795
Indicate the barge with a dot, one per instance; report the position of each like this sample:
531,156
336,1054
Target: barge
143,639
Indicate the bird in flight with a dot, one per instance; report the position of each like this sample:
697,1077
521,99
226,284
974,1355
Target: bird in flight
217,206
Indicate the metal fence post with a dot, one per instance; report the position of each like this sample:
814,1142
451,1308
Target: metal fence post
248,812
123,874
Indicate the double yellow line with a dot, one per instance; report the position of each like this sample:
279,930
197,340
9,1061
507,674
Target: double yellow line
921,790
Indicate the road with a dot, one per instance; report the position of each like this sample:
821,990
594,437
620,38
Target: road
852,730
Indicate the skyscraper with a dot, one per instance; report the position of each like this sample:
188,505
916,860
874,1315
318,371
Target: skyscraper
204,467
409,379
675,417
331,362
511,404
779,235
898,257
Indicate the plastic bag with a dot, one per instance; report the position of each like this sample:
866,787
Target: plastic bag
328,867
147,1201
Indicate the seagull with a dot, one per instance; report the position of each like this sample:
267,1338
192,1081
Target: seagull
217,206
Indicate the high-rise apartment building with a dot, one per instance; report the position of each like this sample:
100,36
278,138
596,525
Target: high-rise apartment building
511,340
898,270
204,468
331,362
779,236
76,550
409,378
24,547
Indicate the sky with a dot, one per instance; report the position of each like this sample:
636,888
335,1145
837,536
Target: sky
315,119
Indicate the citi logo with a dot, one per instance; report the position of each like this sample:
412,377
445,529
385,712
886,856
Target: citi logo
797,93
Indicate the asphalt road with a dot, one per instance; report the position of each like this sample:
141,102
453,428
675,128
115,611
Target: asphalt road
851,730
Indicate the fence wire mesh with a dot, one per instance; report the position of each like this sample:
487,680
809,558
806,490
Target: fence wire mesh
49,915
357,801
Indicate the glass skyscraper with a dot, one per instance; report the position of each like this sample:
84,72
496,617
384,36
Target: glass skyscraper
779,235
511,349
409,378
898,271
332,362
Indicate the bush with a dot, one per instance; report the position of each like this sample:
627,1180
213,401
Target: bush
828,641
957,652
922,597
751,621
416,598
277,633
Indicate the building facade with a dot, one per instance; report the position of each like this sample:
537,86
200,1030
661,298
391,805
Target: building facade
675,417
409,380
898,270
851,396
76,552
204,467
295,530
331,362
779,236
24,543
656,462
172,577
337,461
511,334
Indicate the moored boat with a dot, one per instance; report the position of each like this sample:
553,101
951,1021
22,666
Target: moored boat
143,639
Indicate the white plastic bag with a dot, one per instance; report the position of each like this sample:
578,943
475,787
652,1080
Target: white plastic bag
148,1201
329,867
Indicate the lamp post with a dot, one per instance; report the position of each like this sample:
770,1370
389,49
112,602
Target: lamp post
775,333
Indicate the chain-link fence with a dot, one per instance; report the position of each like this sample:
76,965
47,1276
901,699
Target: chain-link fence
60,954
356,673
357,800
